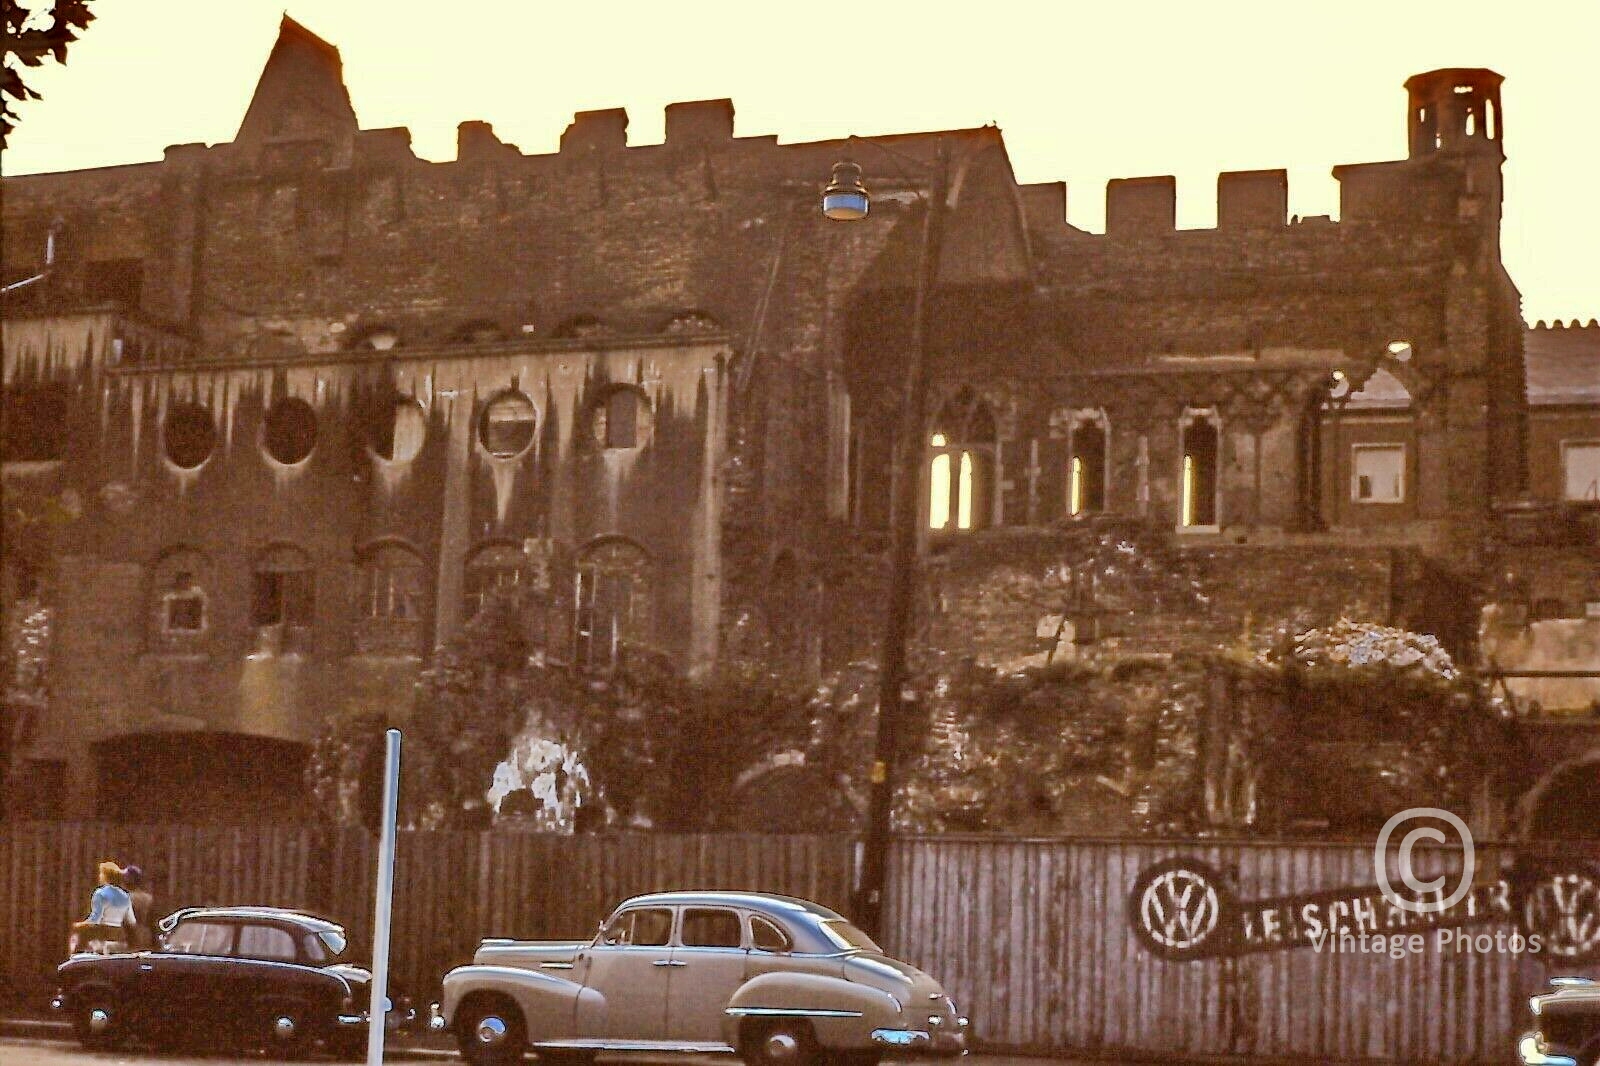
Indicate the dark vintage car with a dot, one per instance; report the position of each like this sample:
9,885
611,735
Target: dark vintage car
1566,1025
239,976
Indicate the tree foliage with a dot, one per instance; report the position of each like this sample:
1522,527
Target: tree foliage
33,34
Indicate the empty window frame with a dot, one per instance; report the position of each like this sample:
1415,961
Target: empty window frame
183,606
391,584
494,568
1377,473
619,417
282,589
508,424
611,603
35,424
961,466
1200,436
1580,470
1087,440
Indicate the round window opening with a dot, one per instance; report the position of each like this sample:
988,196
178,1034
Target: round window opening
290,431
189,435
507,426
399,430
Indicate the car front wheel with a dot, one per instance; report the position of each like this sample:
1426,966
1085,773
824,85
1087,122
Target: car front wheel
490,1032
780,1043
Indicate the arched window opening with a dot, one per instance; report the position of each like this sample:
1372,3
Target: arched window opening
33,423
619,417
961,466
477,331
507,427
398,430
611,604
1086,467
189,435
1200,438
389,600
290,431
580,326
495,569
691,322
282,600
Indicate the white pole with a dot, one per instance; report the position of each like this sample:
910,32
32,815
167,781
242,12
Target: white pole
380,923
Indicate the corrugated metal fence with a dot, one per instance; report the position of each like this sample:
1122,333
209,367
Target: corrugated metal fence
1031,937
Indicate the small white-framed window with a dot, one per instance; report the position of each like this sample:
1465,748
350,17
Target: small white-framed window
1580,470
1377,473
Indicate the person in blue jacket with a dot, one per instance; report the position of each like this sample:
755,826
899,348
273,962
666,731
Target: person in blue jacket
109,908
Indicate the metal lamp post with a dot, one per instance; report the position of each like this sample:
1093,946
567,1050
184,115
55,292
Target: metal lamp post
846,199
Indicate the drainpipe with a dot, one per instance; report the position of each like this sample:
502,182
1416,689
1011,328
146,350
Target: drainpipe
49,258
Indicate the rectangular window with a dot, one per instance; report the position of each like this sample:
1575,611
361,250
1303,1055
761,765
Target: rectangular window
1198,507
622,419
1580,469
185,611
1378,473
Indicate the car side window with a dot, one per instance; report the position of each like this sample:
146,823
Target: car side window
200,938
640,927
315,951
706,927
266,942
766,936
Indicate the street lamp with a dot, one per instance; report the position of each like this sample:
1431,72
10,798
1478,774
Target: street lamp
846,199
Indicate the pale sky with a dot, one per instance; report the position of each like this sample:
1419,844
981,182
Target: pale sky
1083,91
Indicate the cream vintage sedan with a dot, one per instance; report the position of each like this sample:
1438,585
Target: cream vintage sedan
770,978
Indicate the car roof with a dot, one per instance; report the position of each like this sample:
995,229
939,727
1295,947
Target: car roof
310,921
758,901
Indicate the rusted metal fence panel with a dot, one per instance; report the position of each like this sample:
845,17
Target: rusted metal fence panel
1034,941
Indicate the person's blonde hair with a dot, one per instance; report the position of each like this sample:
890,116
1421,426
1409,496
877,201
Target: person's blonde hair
110,873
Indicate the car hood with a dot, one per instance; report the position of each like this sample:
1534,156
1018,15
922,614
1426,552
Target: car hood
899,979
356,975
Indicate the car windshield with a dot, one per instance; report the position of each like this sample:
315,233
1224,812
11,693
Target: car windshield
847,937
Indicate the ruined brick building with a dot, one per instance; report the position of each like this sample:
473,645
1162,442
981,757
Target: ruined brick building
280,410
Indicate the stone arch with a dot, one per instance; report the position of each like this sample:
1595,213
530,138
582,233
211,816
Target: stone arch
375,336
579,326
478,331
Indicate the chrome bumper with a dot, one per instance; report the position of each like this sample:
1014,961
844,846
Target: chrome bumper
941,1043
1530,1052
393,1019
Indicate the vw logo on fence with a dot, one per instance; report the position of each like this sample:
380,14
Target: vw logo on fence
1181,909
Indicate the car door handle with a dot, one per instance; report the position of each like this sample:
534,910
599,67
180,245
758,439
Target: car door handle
670,962
145,967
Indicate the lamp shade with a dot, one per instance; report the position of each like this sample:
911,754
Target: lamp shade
845,198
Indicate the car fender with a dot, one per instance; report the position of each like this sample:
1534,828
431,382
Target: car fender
842,1013
548,1003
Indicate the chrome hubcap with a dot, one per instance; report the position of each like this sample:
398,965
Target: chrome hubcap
283,1027
781,1046
491,1030
99,1020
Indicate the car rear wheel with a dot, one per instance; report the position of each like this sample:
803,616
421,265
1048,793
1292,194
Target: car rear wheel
98,1021
490,1032
780,1043
285,1031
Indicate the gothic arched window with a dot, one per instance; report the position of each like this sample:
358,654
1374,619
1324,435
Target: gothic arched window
961,465
611,602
